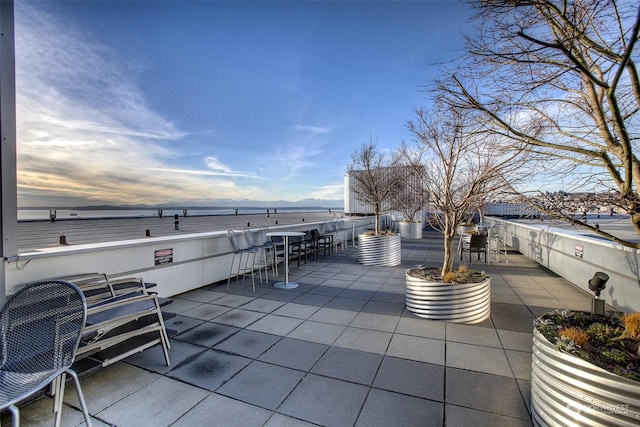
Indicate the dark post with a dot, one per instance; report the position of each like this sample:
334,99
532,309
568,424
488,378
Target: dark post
147,232
236,212
597,284
176,222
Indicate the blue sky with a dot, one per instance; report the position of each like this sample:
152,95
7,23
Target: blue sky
126,102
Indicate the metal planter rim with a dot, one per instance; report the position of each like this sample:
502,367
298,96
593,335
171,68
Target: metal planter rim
458,303
379,250
566,390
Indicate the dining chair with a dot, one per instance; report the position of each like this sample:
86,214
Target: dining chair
311,245
476,244
323,242
497,244
297,249
40,329
341,234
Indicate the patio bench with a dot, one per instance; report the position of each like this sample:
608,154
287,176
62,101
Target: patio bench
123,318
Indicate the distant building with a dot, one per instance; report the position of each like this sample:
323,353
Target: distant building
511,210
404,195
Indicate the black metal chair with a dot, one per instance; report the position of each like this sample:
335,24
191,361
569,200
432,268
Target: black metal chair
477,243
40,329
311,246
323,241
297,249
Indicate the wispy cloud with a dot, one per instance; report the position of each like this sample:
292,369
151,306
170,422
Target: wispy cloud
313,130
208,173
86,132
216,165
333,192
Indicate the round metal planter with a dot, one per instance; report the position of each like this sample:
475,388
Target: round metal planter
410,230
568,391
456,303
379,250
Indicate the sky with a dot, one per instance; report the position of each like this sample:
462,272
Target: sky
196,102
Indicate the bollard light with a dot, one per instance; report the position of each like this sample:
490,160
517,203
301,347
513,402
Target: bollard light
597,284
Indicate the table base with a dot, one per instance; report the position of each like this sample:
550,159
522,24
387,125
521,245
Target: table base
284,285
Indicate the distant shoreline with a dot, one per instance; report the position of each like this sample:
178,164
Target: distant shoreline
75,214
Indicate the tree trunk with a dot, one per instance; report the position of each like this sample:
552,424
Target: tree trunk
635,221
449,251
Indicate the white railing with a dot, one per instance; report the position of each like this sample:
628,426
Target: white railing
177,264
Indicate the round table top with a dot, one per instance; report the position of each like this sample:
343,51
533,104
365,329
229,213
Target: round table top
285,233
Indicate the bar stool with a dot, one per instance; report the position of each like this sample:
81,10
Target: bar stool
240,248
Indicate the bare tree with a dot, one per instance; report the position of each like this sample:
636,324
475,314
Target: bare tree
460,166
373,179
409,198
559,77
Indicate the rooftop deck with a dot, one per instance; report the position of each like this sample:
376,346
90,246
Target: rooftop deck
340,350
35,235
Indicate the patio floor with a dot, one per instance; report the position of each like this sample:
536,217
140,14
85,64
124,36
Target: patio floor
339,350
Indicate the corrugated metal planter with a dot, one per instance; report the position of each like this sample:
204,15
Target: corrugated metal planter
379,250
410,230
568,391
456,303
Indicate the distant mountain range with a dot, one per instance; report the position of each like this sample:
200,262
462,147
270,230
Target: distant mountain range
218,203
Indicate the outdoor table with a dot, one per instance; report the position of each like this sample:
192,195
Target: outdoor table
285,234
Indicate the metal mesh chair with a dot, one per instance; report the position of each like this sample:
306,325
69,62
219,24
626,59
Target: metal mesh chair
40,329
270,247
341,234
241,247
255,241
497,245
334,228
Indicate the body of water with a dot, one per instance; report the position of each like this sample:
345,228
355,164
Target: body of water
84,213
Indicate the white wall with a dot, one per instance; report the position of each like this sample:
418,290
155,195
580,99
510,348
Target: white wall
198,259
